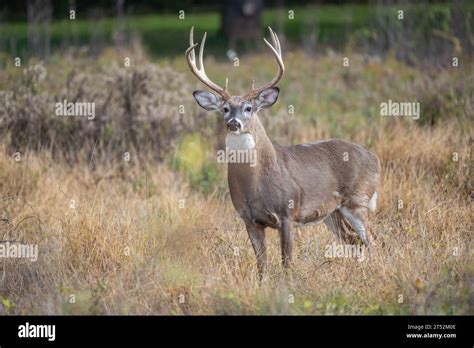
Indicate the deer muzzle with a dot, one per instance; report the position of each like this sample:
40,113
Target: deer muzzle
234,125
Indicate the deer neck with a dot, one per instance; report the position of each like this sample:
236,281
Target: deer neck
254,139
266,153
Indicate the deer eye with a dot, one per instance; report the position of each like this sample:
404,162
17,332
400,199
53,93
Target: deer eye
248,109
226,110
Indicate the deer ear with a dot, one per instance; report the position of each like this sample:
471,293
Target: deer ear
267,97
208,100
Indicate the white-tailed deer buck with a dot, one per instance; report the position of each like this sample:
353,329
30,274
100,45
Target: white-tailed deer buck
334,181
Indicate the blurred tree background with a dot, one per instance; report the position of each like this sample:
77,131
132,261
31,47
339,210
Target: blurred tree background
75,50
429,29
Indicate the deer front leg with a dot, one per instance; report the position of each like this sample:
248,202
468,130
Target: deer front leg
257,237
286,241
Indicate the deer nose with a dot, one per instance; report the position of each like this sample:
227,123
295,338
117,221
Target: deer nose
234,125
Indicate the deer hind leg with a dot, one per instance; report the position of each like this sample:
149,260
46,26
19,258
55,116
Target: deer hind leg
358,219
362,213
341,228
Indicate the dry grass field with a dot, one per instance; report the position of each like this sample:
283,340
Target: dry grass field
158,234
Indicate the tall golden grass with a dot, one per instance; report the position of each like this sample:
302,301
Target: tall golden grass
138,238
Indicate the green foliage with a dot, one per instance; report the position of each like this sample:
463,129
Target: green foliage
86,301
191,158
7,305
330,24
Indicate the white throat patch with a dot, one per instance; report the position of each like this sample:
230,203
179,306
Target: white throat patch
242,141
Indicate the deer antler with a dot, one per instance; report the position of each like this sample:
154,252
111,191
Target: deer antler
276,49
200,73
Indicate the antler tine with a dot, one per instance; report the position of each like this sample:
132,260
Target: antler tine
276,41
276,49
201,53
200,72
192,44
